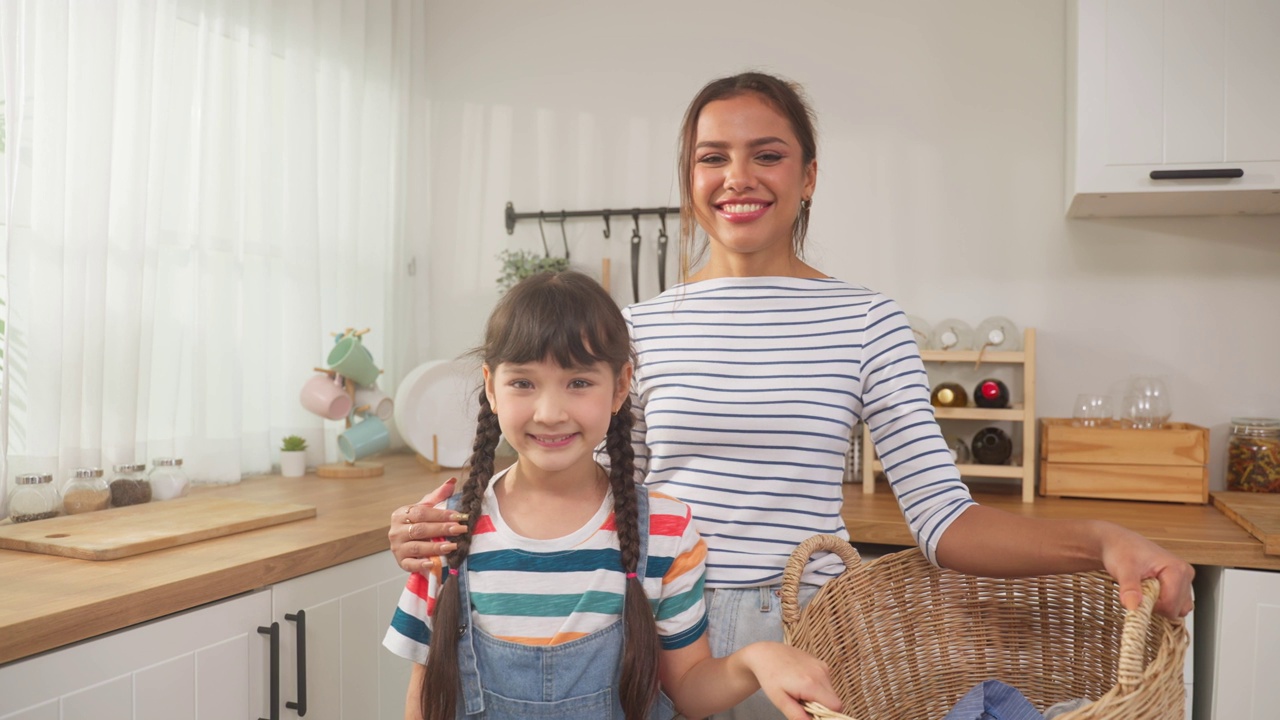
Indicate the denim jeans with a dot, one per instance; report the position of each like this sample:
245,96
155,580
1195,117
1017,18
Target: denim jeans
739,617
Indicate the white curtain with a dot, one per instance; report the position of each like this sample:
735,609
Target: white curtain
198,192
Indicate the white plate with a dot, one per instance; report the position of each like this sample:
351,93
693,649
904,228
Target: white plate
439,398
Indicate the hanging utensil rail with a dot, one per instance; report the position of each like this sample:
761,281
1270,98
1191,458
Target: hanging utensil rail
553,215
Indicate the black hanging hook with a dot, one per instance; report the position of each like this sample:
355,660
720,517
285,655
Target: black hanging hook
662,252
563,236
545,250
635,257
606,223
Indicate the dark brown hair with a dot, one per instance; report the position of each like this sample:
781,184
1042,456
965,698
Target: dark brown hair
566,317
785,97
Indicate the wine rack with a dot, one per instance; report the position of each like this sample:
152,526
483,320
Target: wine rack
1023,412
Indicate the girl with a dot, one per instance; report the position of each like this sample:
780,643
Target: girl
755,369
574,592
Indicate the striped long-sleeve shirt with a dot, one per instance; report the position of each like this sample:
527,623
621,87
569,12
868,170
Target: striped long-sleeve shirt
548,592
746,393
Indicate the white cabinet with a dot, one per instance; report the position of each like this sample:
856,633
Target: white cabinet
1161,86
1237,644
204,664
346,611
211,662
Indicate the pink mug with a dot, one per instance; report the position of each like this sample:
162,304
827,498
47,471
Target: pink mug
326,397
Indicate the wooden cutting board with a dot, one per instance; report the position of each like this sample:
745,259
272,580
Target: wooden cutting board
1259,513
136,529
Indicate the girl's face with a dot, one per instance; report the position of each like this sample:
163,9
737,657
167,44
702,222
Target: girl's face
554,416
749,177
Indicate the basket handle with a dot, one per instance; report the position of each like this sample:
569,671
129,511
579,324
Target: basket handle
1133,638
795,568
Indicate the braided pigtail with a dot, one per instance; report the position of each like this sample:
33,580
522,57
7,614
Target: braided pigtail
442,685
639,670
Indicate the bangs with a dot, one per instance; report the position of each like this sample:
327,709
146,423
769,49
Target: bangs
559,318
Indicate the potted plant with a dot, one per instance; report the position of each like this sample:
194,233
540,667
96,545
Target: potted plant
293,456
520,264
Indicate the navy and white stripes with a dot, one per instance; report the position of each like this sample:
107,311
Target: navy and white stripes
746,393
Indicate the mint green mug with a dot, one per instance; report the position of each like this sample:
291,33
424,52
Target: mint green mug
350,358
364,438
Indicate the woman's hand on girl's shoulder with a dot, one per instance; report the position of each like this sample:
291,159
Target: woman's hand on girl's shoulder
790,677
420,533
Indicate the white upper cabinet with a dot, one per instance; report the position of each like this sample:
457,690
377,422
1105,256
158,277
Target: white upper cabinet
1183,87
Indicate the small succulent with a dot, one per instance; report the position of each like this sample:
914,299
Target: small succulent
294,443
520,264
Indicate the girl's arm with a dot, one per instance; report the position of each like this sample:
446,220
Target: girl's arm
413,699
700,685
993,543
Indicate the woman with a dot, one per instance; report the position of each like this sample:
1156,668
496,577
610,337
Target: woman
752,373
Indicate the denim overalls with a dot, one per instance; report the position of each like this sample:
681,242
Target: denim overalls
577,680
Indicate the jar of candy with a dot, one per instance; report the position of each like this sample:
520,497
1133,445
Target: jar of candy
86,491
34,498
1253,455
168,481
129,485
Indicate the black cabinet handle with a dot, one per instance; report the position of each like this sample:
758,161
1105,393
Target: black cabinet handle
301,620
274,633
1211,174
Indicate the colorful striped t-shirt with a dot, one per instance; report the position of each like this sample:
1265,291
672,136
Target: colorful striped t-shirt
548,592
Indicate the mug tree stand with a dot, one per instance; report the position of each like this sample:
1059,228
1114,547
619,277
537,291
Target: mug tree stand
344,469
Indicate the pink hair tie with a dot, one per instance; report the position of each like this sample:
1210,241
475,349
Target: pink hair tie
630,575
453,571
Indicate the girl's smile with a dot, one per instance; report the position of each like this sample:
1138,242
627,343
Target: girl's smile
554,416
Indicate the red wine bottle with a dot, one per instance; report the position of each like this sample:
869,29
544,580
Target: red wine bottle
991,393
992,446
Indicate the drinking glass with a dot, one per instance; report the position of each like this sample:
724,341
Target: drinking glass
1092,411
1146,403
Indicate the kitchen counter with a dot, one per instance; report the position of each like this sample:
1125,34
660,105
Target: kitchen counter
52,601
1199,534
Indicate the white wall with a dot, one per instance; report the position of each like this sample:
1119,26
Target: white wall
941,175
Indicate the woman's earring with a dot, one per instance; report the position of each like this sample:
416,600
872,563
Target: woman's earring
805,204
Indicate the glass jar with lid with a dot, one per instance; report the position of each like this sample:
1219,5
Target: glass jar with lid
1253,455
34,498
86,491
168,481
129,485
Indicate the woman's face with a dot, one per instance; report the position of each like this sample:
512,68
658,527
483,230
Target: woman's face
749,177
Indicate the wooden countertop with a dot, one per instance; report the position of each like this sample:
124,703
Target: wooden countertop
1199,534
52,601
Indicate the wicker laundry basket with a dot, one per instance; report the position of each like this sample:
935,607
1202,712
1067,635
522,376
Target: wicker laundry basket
905,640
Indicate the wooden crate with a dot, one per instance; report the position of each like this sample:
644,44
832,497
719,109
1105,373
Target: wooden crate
1115,463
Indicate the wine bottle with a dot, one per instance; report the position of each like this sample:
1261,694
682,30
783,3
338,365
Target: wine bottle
949,394
991,393
992,446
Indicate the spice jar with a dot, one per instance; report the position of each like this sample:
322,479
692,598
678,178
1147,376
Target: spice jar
129,485
1253,455
168,481
86,491
34,498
